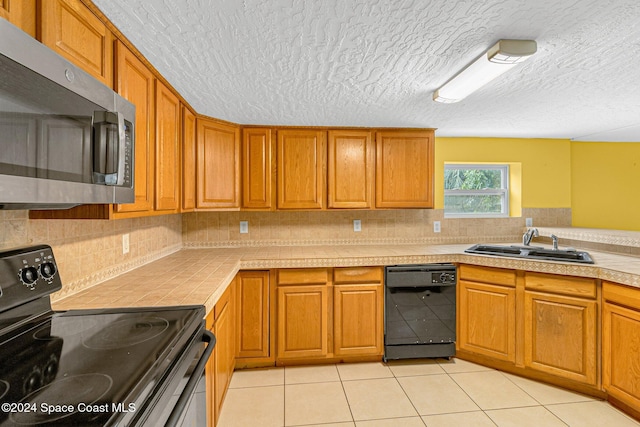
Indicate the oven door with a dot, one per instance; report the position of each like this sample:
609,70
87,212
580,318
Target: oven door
183,400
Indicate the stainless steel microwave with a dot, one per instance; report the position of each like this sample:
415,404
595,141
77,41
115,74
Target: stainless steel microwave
65,138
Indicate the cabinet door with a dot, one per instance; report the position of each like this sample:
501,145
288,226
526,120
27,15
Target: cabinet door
560,336
168,149
350,170
21,13
188,160
253,314
73,31
358,319
210,375
302,321
487,320
404,169
218,165
136,83
300,171
257,176
621,353
225,350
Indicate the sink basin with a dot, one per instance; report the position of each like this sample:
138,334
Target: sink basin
532,252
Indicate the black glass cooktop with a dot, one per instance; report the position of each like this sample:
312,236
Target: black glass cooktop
89,368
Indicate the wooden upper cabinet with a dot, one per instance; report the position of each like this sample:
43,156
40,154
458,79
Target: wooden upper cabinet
257,169
168,149
73,31
300,170
136,83
218,165
21,13
404,169
188,160
350,171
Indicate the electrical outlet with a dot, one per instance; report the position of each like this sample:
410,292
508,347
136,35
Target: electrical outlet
125,243
244,227
528,222
357,225
436,226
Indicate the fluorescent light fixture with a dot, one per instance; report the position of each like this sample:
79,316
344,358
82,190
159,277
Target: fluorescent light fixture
503,56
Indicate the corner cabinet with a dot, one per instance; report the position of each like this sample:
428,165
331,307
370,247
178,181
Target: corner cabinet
255,302
404,169
218,170
300,169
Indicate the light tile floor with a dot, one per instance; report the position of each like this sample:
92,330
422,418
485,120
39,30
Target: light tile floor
432,393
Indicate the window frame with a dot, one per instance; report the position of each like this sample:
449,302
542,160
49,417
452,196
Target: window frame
503,192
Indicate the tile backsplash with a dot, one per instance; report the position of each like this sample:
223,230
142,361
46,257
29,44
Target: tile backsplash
90,251
219,229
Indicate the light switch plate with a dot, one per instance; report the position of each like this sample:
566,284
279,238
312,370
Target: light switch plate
244,227
436,226
528,222
357,225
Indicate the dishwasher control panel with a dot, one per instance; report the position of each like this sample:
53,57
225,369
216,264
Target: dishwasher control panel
418,275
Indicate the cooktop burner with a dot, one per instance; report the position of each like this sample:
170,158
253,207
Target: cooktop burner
126,332
86,388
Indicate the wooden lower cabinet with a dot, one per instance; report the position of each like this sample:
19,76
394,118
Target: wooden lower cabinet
487,312
621,344
303,314
254,337
358,311
545,326
221,321
560,336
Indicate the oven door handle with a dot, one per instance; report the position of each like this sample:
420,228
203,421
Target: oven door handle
183,400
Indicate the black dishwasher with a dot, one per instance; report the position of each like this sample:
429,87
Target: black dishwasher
420,311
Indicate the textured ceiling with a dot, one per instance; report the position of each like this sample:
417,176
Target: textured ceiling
376,63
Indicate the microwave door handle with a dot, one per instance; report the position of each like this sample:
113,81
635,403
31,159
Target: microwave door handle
109,148
122,150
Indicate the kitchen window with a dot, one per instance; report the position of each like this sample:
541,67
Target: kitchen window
476,190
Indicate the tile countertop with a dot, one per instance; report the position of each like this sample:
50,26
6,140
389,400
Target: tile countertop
200,276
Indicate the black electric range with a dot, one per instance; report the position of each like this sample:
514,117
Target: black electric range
125,367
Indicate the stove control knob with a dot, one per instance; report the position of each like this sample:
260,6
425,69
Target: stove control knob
48,270
28,276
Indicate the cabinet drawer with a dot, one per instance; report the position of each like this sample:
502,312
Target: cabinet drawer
357,275
494,276
566,285
620,294
302,276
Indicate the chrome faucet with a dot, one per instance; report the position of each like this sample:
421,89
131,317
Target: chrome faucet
530,234
554,238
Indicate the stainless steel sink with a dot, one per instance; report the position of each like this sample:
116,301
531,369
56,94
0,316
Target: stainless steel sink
532,252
